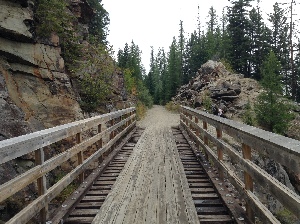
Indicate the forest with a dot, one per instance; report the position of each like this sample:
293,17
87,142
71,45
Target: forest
240,38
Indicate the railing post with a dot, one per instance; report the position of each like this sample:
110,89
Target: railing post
197,131
220,153
80,156
205,139
100,142
112,134
248,181
191,118
41,183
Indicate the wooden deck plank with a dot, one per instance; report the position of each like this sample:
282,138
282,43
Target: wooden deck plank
152,188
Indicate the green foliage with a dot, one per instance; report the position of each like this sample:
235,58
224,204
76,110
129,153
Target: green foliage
207,102
249,116
52,16
141,110
285,217
272,112
66,192
227,65
171,106
130,81
97,70
98,26
144,95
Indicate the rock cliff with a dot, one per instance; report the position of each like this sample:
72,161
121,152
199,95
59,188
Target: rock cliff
36,91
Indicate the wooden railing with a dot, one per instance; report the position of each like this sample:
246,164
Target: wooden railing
111,126
284,151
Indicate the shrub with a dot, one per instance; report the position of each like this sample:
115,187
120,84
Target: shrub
53,17
285,216
249,116
207,102
227,65
96,71
171,106
143,95
140,110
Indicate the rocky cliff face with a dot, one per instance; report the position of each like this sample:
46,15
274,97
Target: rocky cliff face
35,90
36,93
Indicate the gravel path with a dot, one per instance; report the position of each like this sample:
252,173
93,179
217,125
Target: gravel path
152,188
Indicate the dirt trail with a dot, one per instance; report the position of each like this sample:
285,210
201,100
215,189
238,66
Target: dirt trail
152,188
158,117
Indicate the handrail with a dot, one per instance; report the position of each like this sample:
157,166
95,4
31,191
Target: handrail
283,150
120,121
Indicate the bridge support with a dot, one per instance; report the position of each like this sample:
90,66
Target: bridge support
205,139
220,153
80,156
41,183
248,181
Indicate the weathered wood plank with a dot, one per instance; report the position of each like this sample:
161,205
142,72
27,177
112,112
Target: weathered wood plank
260,210
285,151
286,196
13,186
18,146
27,213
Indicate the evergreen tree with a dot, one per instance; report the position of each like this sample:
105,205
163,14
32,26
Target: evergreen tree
272,112
238,33
173,68
213,20
259,35
181,44
98,26
279,41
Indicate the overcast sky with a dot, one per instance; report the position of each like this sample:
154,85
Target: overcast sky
155,22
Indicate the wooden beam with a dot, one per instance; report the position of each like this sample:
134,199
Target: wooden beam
80,156
13,186
248,181
220,153
19,146
283,150
41,183
260,210
28,212
287,197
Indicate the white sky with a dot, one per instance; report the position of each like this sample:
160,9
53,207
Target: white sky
155,22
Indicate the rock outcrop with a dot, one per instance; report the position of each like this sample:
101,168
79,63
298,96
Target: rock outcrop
36,92
226,91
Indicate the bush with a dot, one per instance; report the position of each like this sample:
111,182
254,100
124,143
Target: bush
171,106
96,71
141,110
207,102
249,116
144,95
285,217
53,17
227,65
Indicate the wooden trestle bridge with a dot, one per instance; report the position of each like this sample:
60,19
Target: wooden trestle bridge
129,174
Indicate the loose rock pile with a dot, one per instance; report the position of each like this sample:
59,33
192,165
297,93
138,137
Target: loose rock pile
226,91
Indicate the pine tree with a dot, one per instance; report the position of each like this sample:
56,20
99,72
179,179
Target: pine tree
260,36
238,33
173,68
272,111
279,41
